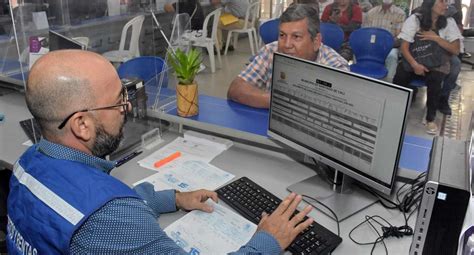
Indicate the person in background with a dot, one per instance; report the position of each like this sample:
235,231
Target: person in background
428,23
313,3
299,37
390,18
237,8
191,7
348,16
62,199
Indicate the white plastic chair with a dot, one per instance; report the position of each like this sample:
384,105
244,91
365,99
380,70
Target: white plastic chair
200,39
181,26
251,17
122,55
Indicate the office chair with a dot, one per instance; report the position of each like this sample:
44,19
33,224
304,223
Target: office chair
371,47
269,30
147,68
122,54
332,35
200,38
251,16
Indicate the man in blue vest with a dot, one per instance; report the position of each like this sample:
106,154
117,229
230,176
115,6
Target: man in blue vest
62,199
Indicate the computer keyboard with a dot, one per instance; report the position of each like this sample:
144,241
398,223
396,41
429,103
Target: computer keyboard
250,200
32,130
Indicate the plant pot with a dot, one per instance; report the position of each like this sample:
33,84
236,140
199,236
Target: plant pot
187,100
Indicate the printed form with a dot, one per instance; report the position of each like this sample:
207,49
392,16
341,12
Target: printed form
188,175
219,232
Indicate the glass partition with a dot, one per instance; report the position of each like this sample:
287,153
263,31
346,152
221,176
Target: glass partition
98,24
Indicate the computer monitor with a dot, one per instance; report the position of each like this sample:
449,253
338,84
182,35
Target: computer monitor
58,41
350,123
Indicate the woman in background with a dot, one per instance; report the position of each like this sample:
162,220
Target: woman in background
428,23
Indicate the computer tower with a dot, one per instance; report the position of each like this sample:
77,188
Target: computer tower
444,201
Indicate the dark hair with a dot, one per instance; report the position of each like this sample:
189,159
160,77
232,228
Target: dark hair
424,15
296,12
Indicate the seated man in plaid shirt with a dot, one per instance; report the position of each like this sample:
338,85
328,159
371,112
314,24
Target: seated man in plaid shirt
299,37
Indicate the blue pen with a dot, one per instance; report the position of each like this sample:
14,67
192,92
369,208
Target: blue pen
127,158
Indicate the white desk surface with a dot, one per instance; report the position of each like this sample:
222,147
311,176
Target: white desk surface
275,172
271,170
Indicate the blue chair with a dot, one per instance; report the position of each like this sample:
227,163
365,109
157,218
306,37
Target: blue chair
371,47
332,34
269,31
147,68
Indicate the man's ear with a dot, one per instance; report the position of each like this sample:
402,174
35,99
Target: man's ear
317,42
82,125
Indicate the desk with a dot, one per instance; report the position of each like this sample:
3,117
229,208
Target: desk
272,170
276,172
229,118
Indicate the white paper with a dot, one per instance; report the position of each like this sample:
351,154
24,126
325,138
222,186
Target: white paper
190,150
219,232
188,175
208,139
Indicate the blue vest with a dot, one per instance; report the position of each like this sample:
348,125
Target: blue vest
51,198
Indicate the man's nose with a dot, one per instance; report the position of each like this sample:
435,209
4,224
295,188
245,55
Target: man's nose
288,43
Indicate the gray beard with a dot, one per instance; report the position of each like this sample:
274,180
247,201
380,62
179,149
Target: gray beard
106,143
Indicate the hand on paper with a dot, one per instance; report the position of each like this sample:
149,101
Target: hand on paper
195,200
281,225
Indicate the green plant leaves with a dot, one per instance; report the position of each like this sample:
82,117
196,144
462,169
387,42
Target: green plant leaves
185,65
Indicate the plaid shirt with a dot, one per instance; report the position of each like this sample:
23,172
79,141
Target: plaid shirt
259,72
391,20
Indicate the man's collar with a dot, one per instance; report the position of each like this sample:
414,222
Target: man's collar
388,10
59,151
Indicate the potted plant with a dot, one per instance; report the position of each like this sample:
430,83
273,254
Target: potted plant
186,66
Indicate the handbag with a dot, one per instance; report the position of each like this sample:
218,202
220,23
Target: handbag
427,53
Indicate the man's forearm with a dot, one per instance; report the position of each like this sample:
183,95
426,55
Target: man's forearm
244,93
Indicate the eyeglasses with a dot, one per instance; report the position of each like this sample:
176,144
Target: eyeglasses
124,104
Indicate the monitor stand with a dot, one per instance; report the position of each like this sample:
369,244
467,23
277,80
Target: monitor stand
345,200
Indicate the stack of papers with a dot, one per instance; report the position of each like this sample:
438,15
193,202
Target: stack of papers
190,148
219,232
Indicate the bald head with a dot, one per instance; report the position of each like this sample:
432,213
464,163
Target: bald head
62,82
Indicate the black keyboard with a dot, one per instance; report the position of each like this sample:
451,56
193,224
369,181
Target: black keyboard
250,200
32,130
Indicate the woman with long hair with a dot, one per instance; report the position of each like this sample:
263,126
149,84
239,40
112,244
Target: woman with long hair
428,23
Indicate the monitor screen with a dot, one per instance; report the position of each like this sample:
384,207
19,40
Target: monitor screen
58,41
349,122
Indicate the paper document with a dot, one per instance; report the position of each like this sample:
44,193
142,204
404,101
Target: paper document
227,18
190,150
219,232
188,175
208,139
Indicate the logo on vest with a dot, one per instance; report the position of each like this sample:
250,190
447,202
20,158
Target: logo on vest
23,246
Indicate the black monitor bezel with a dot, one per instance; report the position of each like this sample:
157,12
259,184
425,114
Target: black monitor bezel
72,41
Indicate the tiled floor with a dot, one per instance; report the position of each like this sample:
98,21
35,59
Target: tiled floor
456,126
